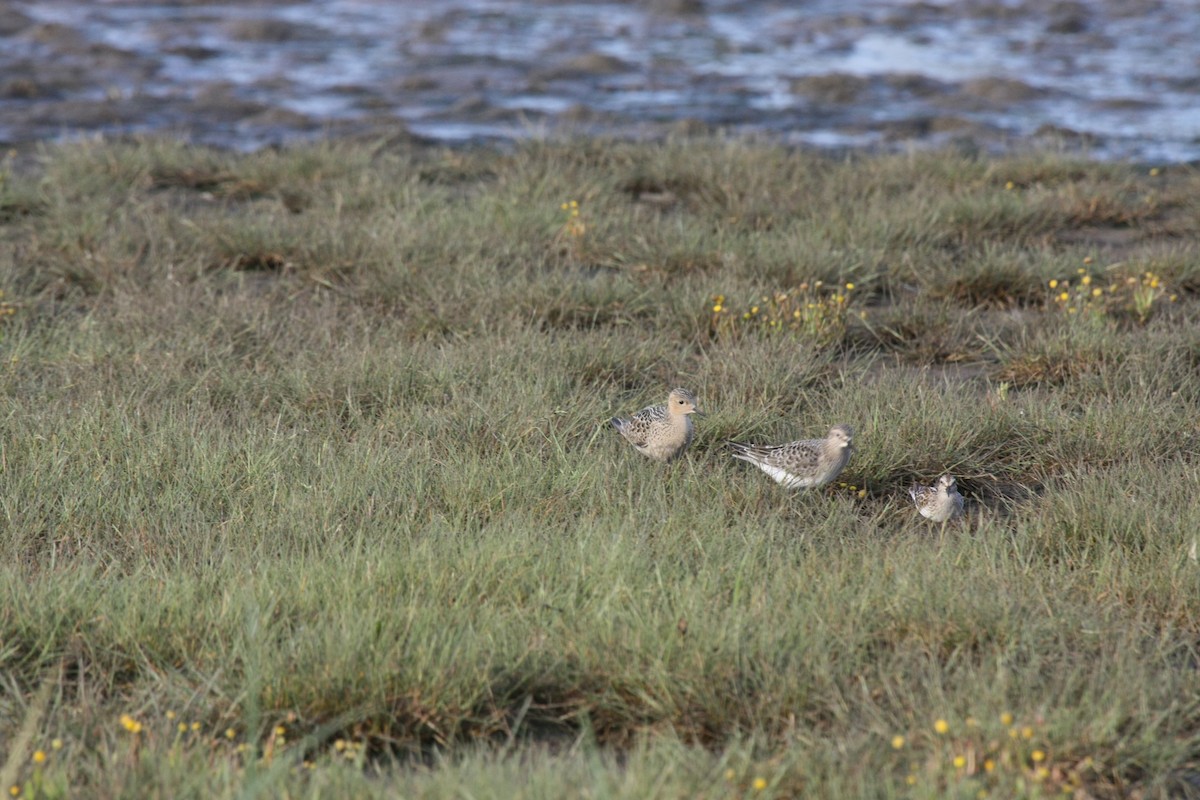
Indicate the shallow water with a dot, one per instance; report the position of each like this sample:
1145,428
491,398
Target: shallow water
1114,78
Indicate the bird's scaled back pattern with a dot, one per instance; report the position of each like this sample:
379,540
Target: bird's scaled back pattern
662,432
940,502
803,464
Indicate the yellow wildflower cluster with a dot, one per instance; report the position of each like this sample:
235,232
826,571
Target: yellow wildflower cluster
571,232
982,760
853,489
758,784
815,310
349,749
7,309
574,224
1094,297
183,727
38,784
130,724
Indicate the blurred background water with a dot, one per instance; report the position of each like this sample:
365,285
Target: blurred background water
1113,78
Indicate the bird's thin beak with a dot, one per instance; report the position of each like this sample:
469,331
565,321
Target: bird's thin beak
698,412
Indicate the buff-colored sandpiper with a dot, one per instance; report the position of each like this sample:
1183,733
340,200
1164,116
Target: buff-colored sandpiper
661,432
940,502
803,464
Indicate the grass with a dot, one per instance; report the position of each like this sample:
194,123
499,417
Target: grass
307,487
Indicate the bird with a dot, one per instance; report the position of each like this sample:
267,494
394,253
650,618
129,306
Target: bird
661,432
940,502
803,464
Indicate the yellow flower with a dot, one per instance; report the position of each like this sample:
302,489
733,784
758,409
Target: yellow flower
1154,171
1097,292
1041,774
130,724
195,726
1085,280
14,790
56,744
1064,297
849,287
182,727
1027,732
960,762
897,742
753,309
1037,755
760,784
1008,186
230,733
717,308
1053,284
911,780
729,773
941,726
39,756
170,715
989,765
1154,283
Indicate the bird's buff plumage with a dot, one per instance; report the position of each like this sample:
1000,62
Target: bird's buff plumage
661,432
803,464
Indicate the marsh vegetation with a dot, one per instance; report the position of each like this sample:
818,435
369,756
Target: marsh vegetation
307,487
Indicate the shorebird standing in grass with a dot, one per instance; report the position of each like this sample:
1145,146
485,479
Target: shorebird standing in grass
661,432
803,464
940,502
